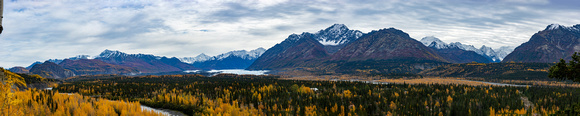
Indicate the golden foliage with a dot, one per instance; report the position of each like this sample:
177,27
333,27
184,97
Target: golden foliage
46,103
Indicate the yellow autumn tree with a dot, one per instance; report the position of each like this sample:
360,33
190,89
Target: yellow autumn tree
8,101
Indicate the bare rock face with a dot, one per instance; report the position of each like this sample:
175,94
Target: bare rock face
386,44
549,45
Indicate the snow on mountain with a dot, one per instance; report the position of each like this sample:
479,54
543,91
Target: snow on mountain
247,55
253,54
199,58
111,53
295,37
78,57
558,26
432,41
554,26
503,51
487,50
465,47
115,53
495,55
337,34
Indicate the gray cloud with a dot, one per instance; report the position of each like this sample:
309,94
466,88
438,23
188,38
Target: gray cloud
36,30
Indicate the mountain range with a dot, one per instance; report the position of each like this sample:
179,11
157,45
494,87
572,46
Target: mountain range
145,63
387,47
108,62
239,59
116,62
489,53
297,49
336,49
549,45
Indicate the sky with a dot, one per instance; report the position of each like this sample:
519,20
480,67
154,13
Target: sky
38,30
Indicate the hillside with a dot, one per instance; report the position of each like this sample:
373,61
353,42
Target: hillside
516,71
548,45
145,63
296,51
386,44
51,70
94,67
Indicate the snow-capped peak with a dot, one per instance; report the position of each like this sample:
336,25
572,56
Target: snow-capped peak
503,51
248,55
465,47
336,28
115,53
337,34
495,55
294,37
253,54
558,26
80,57
199,58
487,50
110,53
554,26
432,41
202,55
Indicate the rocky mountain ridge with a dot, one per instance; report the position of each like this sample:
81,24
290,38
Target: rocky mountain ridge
549,45
239,59
493,55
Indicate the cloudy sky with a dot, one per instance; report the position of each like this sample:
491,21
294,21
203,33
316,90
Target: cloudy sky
37,30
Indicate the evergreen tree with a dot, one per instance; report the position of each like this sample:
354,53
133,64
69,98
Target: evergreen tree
567,71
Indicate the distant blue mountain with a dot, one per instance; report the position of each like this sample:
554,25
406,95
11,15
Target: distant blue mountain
239,59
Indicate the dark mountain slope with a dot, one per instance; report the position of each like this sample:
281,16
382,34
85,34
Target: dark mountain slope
95,67
548,46
144,62
386,44
292,52
51,70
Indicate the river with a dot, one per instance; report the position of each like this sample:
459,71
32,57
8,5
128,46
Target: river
164,112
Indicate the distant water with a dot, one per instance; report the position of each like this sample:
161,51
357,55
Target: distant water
233,71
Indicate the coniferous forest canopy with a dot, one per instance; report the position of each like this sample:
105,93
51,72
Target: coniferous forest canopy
230,94
268,95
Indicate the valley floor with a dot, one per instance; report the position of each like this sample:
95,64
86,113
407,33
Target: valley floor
441,80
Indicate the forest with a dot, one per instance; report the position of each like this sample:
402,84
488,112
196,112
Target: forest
493,71
228,94
35,102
